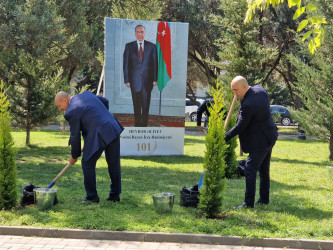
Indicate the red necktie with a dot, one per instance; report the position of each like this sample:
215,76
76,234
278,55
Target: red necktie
140,53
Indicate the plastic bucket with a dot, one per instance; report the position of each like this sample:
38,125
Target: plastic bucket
163,202
44,197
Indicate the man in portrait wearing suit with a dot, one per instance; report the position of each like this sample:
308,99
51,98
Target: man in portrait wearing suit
88,114
257,135
140,74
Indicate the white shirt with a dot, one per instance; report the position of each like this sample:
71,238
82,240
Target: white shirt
142,45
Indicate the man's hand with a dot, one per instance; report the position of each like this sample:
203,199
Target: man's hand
72,160
128,85
201,128
154,83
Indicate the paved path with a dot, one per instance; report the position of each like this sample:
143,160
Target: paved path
8,242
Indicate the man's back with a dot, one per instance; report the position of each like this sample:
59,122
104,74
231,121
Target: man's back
261,130
88,114
255,125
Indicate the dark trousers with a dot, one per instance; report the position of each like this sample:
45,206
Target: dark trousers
258,161
112,156
141,103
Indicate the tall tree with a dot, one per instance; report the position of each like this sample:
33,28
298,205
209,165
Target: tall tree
240,50
314,75
31,32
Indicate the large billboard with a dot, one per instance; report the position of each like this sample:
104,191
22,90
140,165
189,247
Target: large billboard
145,82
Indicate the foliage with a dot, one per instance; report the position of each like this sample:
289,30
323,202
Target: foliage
33,98
214,161
30,60
279,95
315,87
316,32
239,50
8,172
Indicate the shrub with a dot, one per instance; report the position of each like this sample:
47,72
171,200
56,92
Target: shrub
214,159
8,172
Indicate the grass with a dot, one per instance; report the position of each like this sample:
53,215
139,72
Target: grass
192,125
301,193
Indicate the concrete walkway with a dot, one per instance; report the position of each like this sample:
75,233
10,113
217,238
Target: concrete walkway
12,237
8,242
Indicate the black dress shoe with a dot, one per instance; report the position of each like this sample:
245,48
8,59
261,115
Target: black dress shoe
113,198
243,205
88,200
259,202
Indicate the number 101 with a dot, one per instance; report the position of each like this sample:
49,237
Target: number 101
143,147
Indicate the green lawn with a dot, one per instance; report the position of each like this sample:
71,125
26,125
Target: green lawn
301,193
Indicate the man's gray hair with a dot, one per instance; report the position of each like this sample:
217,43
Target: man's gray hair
139,25
62,94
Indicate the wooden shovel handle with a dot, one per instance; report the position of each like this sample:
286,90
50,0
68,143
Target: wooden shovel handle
230,112
62,172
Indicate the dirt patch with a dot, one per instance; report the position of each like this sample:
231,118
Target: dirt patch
56,160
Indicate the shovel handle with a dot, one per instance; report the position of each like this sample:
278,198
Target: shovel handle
230,112
59,175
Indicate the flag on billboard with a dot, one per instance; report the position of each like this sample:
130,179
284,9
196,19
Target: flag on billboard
163,45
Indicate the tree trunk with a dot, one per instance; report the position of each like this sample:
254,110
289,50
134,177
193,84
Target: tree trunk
330,156
27,137
63,128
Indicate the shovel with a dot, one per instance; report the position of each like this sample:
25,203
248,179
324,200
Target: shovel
59,175
230,112
28,198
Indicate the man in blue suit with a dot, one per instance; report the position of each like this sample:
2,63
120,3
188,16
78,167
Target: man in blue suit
140,74
257,135
88,114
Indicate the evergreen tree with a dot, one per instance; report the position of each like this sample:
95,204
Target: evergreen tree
314,75
30,60
214,160
240,51
8,183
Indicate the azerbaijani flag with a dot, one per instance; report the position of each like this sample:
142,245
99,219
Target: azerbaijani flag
163,44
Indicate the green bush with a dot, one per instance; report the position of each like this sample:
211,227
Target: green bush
8,172
214,159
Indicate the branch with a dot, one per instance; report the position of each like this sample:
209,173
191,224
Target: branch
287,83
276,63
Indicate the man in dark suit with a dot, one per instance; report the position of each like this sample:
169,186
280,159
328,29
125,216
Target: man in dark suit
140,74
257,135
89,114
204,108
